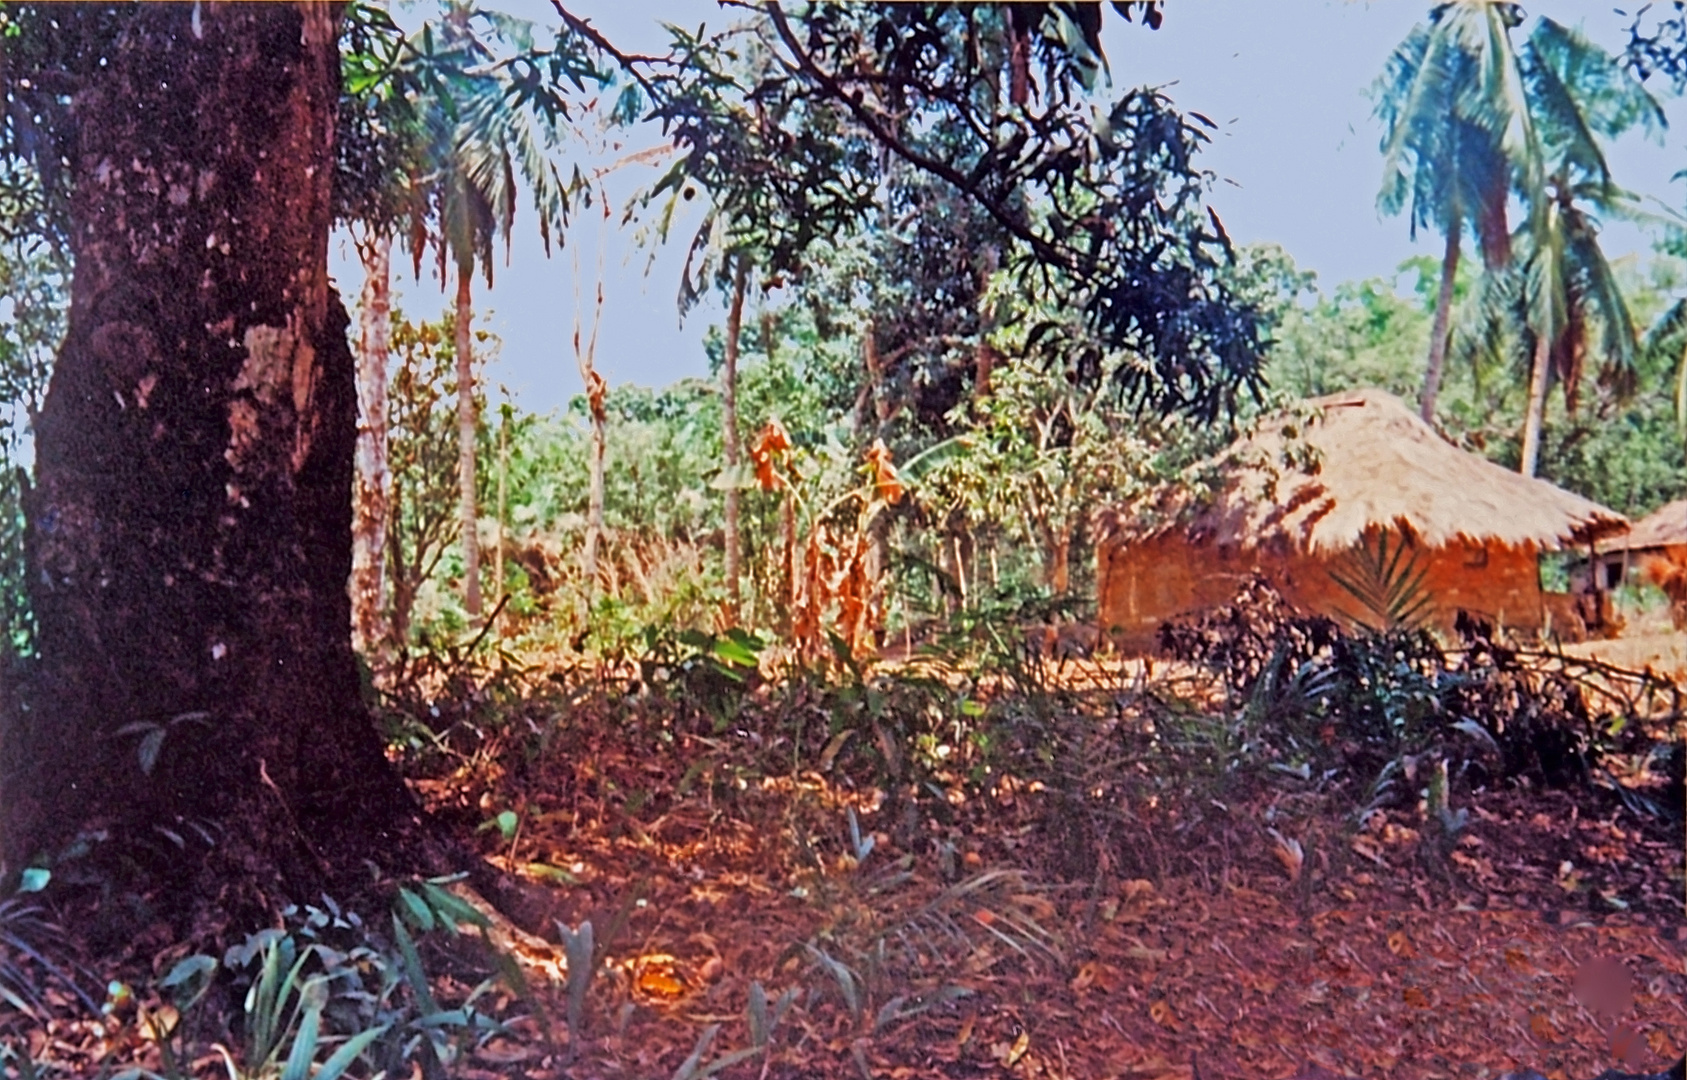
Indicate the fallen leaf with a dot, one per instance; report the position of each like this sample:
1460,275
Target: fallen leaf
964,1036
1020,1045
1518,961
657,976
1401,945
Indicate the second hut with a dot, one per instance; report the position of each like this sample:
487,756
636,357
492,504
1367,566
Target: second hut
1312,492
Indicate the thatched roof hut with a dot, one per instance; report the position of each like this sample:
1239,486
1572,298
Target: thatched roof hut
1659,537
1314,482
1664,527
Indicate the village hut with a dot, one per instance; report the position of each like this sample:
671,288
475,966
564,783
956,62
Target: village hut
1654,550
1660,535
1314,486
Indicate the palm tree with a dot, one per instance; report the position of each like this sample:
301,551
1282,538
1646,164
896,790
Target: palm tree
1578,93
488,121
1569,289
1457,130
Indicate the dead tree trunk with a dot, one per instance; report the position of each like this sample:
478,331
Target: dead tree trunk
597,406
729,433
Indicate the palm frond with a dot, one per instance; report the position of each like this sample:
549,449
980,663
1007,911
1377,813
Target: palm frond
1610,99
1389,585
1486,328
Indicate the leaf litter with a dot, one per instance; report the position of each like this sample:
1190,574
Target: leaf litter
1260,934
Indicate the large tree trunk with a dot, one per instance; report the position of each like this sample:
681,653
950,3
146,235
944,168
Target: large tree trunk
1534,417
1438,332
190,523
369,520
466,419
729,433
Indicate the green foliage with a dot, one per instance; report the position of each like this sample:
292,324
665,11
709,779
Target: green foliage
422,457
1040,449
34,298
701,673
1363,334
1313,699
889,120
30,945
324,994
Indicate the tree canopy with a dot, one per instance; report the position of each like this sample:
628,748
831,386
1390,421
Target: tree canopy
807,125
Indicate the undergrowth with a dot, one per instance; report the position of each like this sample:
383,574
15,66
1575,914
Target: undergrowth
969,813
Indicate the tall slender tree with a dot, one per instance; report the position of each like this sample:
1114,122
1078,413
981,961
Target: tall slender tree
1457,131
490,121
1578,95
729,430
370,494
379,157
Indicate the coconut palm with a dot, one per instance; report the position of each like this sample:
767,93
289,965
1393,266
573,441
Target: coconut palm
1571,300
1578,94
1457,132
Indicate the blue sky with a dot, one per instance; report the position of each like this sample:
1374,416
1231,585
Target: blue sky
1295,152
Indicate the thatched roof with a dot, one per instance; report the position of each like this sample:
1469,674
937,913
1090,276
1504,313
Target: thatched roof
1662,527
1320,474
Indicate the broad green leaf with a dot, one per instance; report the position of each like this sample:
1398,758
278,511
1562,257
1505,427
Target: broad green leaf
416,910
733,652
454,909
342,1059
304,1046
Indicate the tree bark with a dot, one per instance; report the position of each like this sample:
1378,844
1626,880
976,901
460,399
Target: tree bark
189,526
469,516
369,520
1534,418
1438,333
729,433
